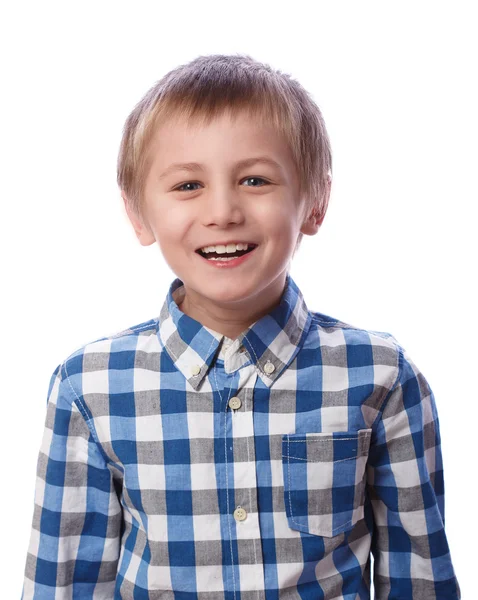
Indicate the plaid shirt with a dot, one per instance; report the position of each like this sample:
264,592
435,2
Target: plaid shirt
179,464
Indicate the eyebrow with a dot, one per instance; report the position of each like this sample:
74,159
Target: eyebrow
194,166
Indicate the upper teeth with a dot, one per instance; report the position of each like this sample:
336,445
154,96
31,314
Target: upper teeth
223,249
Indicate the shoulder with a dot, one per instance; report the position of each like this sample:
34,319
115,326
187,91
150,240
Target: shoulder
330,327
118,350
356,346
368,362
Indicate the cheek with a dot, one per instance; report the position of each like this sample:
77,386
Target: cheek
280,204
171,222
277,220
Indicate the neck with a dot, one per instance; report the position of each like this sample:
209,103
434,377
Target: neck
229,320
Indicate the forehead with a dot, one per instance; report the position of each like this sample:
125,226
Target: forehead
223,138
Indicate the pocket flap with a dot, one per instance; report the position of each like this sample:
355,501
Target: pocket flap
326,447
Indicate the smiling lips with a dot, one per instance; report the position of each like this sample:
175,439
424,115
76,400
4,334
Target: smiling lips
225,247
226,251
230,255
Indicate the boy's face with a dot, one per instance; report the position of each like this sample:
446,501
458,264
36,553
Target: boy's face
186,210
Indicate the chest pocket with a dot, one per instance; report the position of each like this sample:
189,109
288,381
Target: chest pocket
324,480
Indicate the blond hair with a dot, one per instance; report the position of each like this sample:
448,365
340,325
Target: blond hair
210,85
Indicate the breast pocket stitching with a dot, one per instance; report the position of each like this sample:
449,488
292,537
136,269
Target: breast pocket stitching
324,480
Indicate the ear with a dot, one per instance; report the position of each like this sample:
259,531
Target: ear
141,228
311,225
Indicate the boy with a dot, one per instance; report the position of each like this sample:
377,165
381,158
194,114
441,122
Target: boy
238,445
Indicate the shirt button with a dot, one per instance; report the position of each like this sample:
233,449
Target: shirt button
240,514
196,370
235,403
241,349
269,367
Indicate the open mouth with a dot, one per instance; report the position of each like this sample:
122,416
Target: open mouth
235,254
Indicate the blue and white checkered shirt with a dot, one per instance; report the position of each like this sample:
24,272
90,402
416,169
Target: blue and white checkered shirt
179,464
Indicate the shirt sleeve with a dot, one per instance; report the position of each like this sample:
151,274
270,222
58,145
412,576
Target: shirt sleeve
405,486
75,535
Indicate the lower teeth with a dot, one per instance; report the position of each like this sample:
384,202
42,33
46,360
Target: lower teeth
225,258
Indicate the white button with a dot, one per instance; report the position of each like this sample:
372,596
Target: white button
269,367
196,370
235,403
240,514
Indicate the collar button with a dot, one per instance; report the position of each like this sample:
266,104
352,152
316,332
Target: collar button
196,369
269,367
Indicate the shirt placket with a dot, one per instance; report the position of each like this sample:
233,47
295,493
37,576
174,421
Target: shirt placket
246,573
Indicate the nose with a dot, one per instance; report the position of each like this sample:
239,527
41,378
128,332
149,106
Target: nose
222,207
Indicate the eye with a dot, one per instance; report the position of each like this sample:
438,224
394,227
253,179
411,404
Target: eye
255,179
179,188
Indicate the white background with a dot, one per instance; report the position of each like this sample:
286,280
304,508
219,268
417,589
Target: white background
396,82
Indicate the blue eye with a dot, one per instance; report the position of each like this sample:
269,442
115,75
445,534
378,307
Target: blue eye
178,189
256,179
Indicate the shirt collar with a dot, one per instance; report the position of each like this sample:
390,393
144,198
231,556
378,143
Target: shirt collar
271,343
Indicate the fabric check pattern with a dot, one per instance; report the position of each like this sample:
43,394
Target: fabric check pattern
179,464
